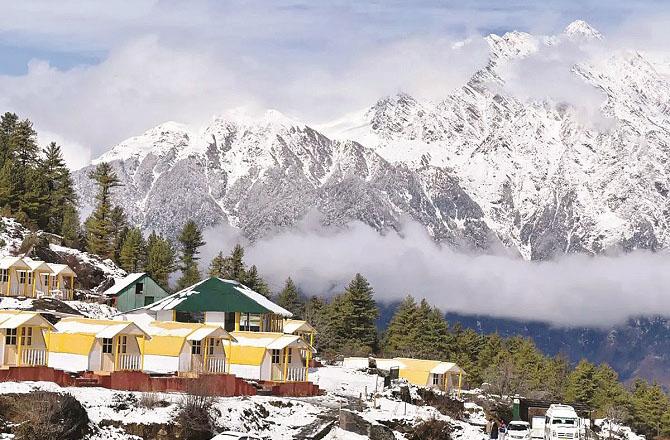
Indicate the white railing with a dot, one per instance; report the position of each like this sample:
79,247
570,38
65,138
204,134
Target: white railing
216,364
295,374
130,362
33,356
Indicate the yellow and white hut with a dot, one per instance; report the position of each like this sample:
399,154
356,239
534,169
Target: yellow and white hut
185,348
268,356
61,281
24,337
98,345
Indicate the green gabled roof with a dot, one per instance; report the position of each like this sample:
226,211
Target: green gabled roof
217,295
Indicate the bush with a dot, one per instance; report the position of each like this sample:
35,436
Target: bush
42,415
443,403
194,416
431,430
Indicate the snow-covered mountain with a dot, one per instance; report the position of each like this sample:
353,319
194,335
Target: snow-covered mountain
541,173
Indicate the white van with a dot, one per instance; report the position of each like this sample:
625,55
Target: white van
561,422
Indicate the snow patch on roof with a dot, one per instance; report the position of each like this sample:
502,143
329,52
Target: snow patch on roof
122,283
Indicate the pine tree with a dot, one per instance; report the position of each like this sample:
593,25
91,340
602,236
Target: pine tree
190,239
289,298
582,384
119,229
161,260
359,313
70,227
23,144
133,251
314,307
60,188
34,199
100,231
235,268
8,123
254,281
431,333
399,338
217,266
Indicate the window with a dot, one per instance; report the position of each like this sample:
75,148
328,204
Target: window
30,277
148,300
290,354
107,345
123,344
196,347
139,288
211,346
22,277
27,336
4,275
10,336
229,321
436,379
190,317
276,356
45,280
250,322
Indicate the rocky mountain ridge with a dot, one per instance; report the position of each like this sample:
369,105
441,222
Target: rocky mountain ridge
480,167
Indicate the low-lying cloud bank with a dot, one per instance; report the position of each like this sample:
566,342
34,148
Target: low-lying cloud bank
576,290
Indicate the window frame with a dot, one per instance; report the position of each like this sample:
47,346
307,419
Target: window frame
22,276
11,334
123,344
290,355
26,337
4,275
196,347
139,288
436,379
107,344
275,353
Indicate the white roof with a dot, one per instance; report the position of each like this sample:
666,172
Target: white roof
15,319
293,325
37,265
190,331
260,299
122,283
7,262
270,341
101,328
61,269
446,367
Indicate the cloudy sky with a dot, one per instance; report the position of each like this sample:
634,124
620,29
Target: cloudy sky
90,75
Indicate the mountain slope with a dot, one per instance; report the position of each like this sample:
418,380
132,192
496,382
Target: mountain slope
481,166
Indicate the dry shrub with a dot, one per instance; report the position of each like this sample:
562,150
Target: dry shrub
431,430
42,415
443,403
194,416
152,400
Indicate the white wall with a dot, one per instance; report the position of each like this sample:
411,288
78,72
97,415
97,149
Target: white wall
356,363
164,315
139,318
251,372
95,356
161,364
266,366
185,358
215,318
68,361
2,346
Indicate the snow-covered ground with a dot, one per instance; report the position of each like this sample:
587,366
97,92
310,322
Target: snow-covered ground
266,416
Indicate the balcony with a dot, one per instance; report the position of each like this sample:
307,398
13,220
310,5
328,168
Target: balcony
216,364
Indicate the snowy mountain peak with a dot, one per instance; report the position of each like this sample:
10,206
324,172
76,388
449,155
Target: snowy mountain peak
158,140
512,45
579,29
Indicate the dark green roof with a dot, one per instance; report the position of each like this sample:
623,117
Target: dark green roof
217,295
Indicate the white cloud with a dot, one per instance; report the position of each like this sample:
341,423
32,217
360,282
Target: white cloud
575,290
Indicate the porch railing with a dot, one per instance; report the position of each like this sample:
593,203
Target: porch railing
33,356
216,364
130,362
295,374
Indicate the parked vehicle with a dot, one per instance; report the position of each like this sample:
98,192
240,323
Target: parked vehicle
561,422
518,430
232,435
537,427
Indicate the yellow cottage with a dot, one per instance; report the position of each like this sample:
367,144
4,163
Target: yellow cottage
24,336
98,345
445,376
268,356
23,276
185,348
